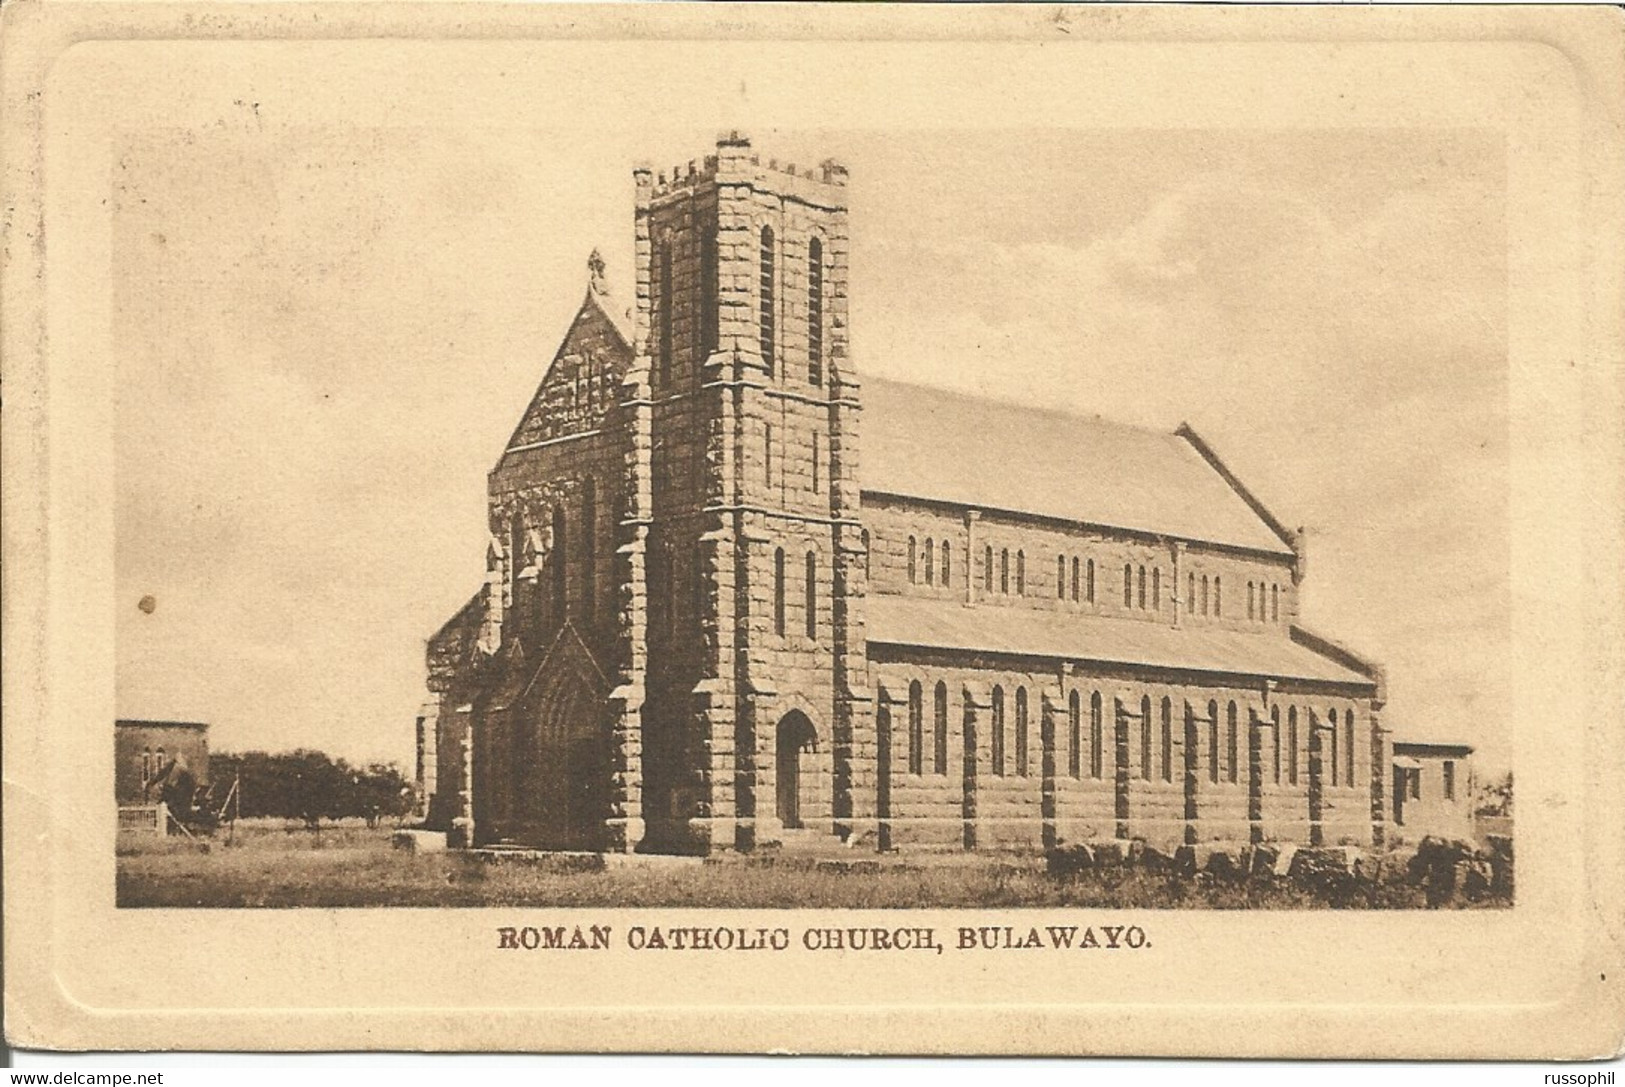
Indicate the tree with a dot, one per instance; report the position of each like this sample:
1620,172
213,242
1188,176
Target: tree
1494,797
310,786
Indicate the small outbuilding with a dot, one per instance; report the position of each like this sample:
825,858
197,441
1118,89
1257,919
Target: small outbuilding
148,755
1432,790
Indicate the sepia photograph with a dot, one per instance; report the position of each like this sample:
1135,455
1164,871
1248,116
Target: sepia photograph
930,509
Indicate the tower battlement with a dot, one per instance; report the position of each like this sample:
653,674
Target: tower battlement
736,163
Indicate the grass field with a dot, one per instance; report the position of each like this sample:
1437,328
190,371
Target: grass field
356,867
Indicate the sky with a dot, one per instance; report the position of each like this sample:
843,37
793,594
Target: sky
327,333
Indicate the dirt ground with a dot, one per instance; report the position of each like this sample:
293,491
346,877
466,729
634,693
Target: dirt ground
354,866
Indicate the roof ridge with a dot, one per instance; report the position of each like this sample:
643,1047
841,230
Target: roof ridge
1021,405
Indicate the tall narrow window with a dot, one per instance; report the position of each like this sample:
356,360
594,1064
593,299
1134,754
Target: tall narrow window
1449,779
1091,583
1146,752
1074,736
913,565
561,553
1230,743
817,464
947,564
812,595
1204,594
1190,594
1167,750
1156,588
698,581
589,550
767,453
1128,586
1218,596
815,312
1021,573
987,569
1348,747
778,592
1096,735
1213,742
863,536
1060,577
1021,731
1249,600
1275,744
1275,603
1292,745
997,741
516,556
1075,579
916,729
768,304
708,294
939,730
930,560
1331,736
1142,588
1004,571
665,314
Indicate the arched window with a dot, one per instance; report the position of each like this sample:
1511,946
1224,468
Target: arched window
589,551
561,552
1204,594
1249,600
997,740
778,592
1128,586
1074,579
1074,736
1167,749
1275,603
1275,744
1348,747
1218,596
1331,737
930,560
1021,573
916,729
708,294
158,763
817,464
1213,742
1190,594
1060,577
1142,589
1156,588
815,311
516,555
947,564
146,765
1096,730
1146,752
812,595
939,729
665,313
1004,571
767,453
769,308
1292,745
913,568
1021,731
1091,583
1230,743
987,569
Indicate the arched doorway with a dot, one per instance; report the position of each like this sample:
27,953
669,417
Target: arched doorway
796,738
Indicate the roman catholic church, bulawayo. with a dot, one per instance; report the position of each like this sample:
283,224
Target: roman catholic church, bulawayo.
737,595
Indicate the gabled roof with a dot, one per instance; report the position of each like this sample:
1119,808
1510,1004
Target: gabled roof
1067,636
595,333
926,442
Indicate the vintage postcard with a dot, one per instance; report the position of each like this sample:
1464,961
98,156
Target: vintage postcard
1001,529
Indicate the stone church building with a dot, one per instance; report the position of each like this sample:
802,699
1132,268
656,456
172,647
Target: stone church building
737,594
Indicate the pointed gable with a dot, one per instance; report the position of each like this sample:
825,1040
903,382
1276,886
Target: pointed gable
582,382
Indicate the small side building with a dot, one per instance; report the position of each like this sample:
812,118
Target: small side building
145,753
1432,790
